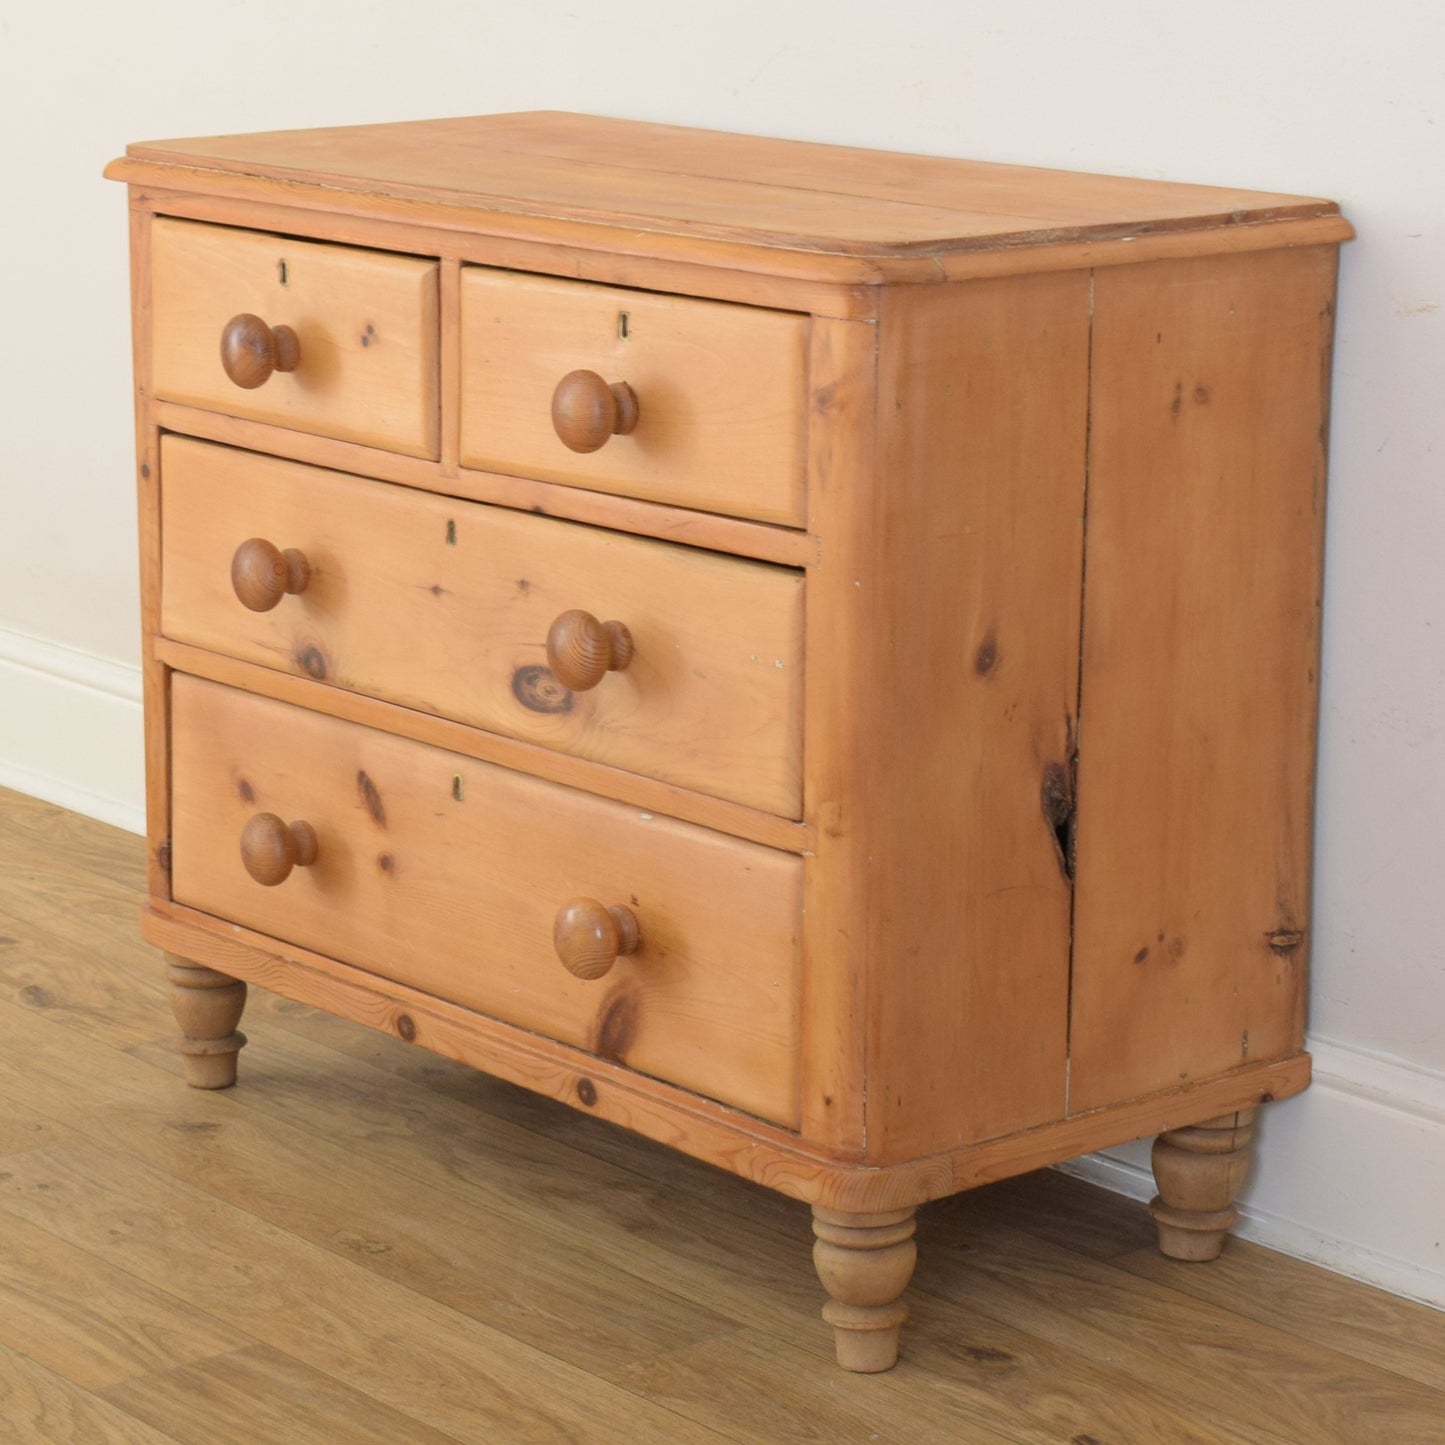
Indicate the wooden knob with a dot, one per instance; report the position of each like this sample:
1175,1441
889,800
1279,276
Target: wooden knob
270,848
251,350
261,574
587,410
581,651
588,936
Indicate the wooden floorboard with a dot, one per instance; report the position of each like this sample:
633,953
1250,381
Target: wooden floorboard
362,1242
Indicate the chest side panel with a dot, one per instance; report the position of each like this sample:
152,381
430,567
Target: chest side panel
1201,636
974,547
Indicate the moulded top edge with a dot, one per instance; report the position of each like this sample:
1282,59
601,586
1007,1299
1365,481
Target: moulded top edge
569,170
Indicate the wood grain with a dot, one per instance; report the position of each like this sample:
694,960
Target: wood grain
155,696
472,1215
727,1248
37,1405
752,1148
446,874
449,360
967,556
253,352
94,975
1218,1363
89,1321
645,793
708,184
22,1128
588,411
53,842
749,275
927,997
1198,700
621,514
999,511
727,1245
718,388
318,1308
446,606
482,1262
366,324
1043,1388
828,282
262,574
842,445
261,1394
759,1390
486,1156
1298,1299
848,173
444,161
70,965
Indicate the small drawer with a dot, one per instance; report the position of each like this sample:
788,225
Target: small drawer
450,875
326,339
447,606
719,421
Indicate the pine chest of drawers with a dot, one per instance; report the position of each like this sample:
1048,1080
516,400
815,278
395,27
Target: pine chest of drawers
805,653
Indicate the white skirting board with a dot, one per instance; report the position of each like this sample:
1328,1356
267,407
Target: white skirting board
70,729
1350,1174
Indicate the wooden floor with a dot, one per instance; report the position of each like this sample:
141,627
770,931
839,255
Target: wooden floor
362,1243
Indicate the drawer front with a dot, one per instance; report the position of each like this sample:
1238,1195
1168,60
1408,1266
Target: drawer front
447,874
446,606
365,325
720,392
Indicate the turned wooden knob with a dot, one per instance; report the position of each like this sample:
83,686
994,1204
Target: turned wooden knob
587,410
262,574
251,350
588,936
271,848
581,651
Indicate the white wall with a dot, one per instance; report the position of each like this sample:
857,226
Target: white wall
1328,98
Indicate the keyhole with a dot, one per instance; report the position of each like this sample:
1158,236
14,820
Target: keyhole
281,272
624,323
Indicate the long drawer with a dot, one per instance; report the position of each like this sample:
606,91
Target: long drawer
360,354
447,606
449,874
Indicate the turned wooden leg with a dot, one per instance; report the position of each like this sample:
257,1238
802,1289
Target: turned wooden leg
1198,1172
865,1262
208,1007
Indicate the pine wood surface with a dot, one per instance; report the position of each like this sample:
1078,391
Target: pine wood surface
720,391
532,758
366,323
622,514
755,277
1196,776
698,183
765,1153
445,607
842,434
828,282
447,874
148,516
363,1242
971,562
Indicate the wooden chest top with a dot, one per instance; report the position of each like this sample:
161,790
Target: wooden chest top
659,181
